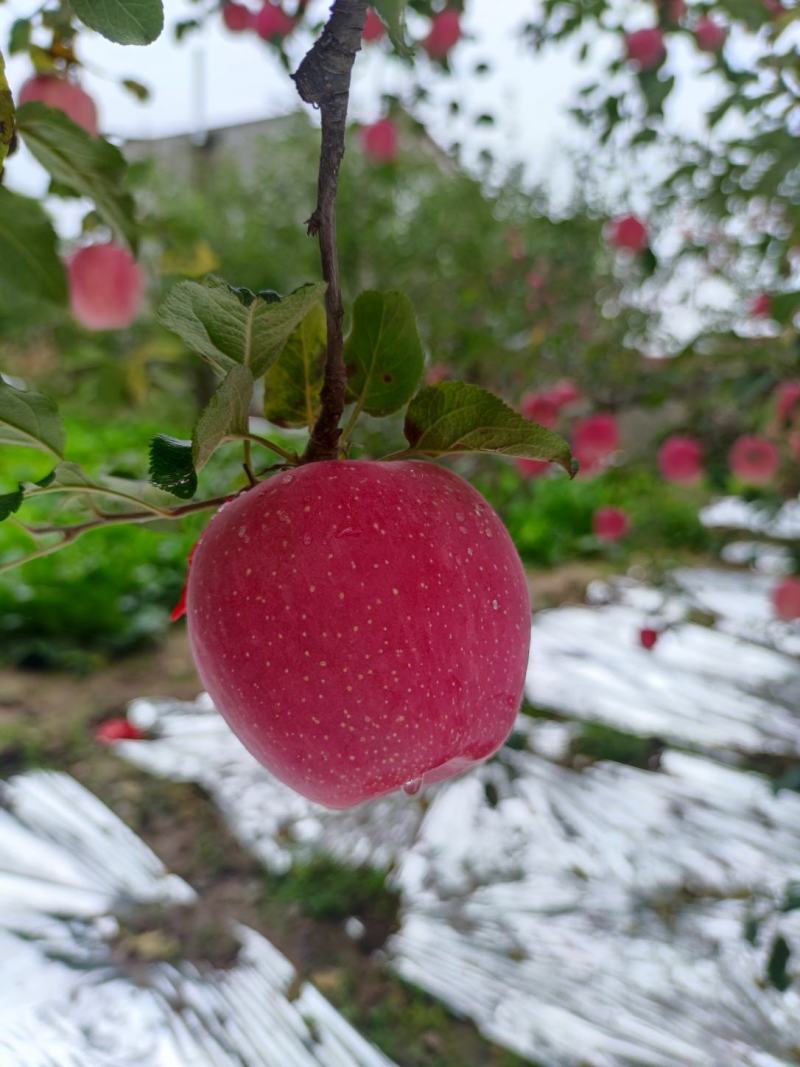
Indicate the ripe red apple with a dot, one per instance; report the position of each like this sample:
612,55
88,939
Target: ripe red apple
362,626
374,28
786,599
272,23
787,401
594,441
645,48
610,524
680,459
105,287
444,34
629,233
754,459
710,36
540,407
118,729
55,91
565,393
761,306
437,372
648,637
379,141
237,17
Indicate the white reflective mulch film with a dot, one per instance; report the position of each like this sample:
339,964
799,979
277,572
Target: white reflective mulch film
68,869
733,513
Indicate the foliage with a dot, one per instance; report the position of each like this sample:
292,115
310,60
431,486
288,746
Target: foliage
329,891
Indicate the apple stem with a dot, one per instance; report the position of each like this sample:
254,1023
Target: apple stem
323,80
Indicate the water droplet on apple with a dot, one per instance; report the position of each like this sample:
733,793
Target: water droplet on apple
413,787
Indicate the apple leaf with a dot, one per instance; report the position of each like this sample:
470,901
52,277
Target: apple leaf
90,166
393,13
383,353
30,419
777,964
292,384
226,414
10,502
230,327
122,21
454,417
119,493
29,263
172,466
6,111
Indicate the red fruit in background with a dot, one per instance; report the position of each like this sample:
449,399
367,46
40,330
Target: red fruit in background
787,401
105,287
710,35
794,444
237,17
57,92
272,23
648,637
565,393
610,524
676,10
437,372
680,459
374,28
445,33
754,459
540,407
786,599
361,626
645,48
594,441
379,141
532,468
761,306
629,233
117,730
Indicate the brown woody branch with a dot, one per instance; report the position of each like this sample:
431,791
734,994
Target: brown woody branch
323,80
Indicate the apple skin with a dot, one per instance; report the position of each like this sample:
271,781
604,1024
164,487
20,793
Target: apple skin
379,141
361,626
105,287
66,96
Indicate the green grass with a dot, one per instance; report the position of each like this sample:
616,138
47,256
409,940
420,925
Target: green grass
330,892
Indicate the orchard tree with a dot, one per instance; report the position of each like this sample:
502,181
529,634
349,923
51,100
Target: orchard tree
362,624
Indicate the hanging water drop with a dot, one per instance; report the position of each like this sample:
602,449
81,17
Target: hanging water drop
413,787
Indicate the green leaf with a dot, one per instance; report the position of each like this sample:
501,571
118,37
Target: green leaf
90,165
122,21
119,493
454,417
229,327
383,353
292,384
137,89
10,502
30,267
172,466
7,126
777,963
226,415
30,419
393,13
19,36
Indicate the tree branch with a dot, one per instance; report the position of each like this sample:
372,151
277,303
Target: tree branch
323,80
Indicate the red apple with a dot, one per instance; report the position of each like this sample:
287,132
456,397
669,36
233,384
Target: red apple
787,401
610,524
786,599
361,626
437,372
761,306
445,33
532,468
648,637
105,287
379,141
710,35
629,233
754,459
374,28
237,17
272,23
117,730
594,441
58,92
680,459
645,48
565,393
540,407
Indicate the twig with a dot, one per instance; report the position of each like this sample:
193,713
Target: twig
323,79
